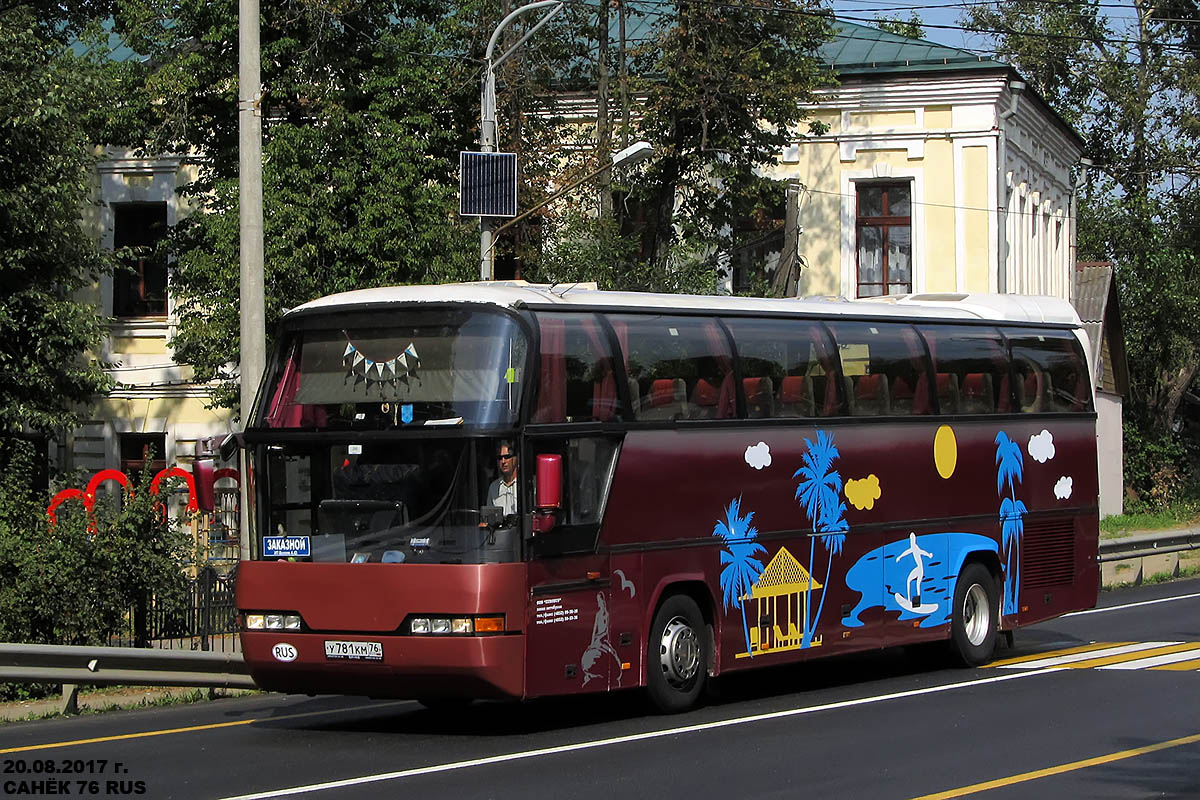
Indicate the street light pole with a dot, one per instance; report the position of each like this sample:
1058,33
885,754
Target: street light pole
487,111
251,293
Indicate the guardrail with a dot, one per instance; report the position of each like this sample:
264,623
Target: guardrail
127,666
1148,544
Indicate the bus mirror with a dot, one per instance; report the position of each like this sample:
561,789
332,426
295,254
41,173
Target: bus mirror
202,471
548,490
229,447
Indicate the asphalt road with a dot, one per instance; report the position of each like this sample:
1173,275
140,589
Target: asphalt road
1114,716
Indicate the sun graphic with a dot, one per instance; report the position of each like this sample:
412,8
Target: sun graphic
945,451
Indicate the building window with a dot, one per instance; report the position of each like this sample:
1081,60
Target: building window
140,287
140,449
884,239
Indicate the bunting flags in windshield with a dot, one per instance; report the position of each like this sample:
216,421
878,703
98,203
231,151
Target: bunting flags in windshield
393,371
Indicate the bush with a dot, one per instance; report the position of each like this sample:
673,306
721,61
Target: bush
65,584
1158,468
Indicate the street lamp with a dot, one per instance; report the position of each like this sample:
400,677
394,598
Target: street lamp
487,112
634,154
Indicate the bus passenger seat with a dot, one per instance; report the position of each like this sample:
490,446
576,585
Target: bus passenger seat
760,397
796,397
870,396
947,392
635,398
704,400
667,400
1032,391
977,397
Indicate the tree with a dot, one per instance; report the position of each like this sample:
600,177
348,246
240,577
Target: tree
1130,86
724,88
910,28
45,254
366,107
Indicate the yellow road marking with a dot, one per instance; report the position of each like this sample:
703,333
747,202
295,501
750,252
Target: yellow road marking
1134,656
190,729
1056,653
1181,665
1060,769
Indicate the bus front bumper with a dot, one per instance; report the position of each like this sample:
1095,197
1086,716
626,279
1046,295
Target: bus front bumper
387,665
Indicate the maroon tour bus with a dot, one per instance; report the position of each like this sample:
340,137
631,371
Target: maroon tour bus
510,491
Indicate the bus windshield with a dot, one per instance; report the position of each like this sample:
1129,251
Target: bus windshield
422,367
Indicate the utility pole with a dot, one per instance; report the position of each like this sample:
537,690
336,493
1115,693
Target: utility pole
250,204
603,128
487,110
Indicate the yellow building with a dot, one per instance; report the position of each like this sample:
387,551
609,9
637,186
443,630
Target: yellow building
940,171
156,404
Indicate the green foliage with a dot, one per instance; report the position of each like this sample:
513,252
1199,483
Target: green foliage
65,585
45,255
1156,467
367,107
910,28
724,88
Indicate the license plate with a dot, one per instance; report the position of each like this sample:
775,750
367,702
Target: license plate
358,651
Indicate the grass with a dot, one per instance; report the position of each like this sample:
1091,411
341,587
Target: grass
1176,516
122,701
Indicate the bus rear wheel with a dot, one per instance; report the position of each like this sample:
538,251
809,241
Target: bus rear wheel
976,615
677,655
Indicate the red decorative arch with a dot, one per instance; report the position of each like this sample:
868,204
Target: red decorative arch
103,476
62,497
178,472
228,472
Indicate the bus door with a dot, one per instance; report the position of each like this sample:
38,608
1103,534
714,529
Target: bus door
571,641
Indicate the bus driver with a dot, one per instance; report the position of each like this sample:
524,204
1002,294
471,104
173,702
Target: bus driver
503,491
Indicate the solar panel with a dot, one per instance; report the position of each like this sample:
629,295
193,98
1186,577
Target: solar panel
487,184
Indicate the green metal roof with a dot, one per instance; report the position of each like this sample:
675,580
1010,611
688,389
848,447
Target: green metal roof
864,50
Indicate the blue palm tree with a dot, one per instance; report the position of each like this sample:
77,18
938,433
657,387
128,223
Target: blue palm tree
1010,464
833,536
819,492
741,567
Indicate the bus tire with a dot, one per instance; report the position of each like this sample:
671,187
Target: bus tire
976,615
677,655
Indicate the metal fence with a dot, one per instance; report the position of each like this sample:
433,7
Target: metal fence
206,620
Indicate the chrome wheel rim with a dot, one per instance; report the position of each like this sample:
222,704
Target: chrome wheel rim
976,615
679,653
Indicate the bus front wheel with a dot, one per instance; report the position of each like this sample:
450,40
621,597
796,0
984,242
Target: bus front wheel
677,655
976,616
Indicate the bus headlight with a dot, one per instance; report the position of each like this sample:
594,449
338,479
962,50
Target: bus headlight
455,626
420,625
274,621
256,622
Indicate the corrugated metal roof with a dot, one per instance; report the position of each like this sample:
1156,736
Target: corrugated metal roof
1091,296
864,50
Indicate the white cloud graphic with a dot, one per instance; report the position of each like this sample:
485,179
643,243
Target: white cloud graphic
759,455
1062,489
1041,447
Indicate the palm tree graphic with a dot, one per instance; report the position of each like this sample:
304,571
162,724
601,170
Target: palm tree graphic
819,493
1009,465
741,567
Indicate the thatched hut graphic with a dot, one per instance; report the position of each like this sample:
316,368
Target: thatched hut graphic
781,606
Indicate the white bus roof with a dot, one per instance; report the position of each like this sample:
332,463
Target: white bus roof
515,294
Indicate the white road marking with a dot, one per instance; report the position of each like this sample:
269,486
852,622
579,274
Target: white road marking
636,737
1154,661
1131,605
1057,661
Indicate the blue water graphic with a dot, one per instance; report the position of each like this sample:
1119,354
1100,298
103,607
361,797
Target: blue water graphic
889,576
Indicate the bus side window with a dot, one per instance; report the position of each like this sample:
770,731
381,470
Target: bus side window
1051,371
678,367
577,383
885,369
786,367
970,369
